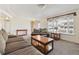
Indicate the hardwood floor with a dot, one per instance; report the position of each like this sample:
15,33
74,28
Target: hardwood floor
60,48
65,48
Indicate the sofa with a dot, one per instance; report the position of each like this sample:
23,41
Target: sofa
13,45
41,31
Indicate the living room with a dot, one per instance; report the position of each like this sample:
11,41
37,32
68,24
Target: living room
18,23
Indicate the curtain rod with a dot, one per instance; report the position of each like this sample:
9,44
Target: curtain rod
74,13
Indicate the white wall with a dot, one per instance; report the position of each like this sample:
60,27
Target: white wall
20,24
75,37
43,23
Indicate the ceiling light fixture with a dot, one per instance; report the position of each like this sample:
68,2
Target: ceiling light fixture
41,5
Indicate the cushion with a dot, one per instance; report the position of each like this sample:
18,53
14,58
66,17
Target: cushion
14,39
11,36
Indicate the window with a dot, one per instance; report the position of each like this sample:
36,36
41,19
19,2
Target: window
63,24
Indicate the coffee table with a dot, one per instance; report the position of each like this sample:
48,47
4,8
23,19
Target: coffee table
43,44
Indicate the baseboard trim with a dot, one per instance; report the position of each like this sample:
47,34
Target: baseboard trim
70,41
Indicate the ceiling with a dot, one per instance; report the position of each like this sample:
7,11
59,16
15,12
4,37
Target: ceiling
30,11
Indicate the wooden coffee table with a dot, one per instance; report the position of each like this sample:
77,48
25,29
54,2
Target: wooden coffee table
43,44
